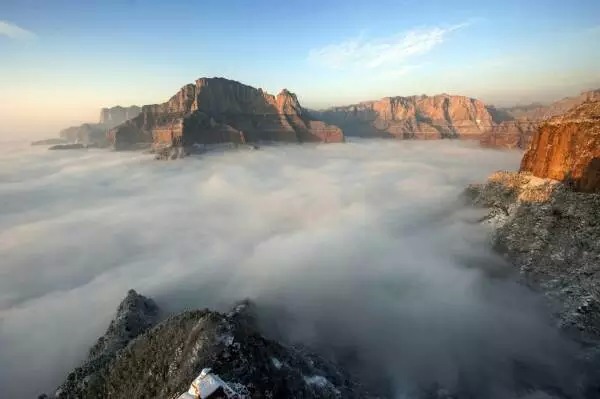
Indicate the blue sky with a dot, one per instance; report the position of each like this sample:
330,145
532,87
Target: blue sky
62,60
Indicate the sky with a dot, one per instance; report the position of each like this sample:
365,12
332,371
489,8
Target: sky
60,61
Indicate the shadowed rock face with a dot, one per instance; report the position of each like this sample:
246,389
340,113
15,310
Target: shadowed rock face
216,110
420,117
133,361
567,148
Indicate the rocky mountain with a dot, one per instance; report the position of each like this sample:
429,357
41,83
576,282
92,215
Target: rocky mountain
141,358
216,110
515,126
567,148
419,117
88,133
447,116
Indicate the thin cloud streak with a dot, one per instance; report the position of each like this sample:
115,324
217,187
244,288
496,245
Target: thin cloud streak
15,32
360,53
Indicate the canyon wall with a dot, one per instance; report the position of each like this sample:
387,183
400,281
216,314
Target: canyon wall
567,148
215,110
420,117
448,116
515,126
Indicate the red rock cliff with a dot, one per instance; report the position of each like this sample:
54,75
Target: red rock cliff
217,110
421,117
567,148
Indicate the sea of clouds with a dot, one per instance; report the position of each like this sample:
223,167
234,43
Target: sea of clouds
362,248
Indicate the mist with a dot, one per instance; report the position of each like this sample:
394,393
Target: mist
364,251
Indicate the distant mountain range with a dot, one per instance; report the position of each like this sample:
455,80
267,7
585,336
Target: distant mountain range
217,110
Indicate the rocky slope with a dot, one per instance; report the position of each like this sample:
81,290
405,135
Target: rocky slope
420,117
88,133
552,234
138,358
546,221
515,126
216,110
135,315
567,148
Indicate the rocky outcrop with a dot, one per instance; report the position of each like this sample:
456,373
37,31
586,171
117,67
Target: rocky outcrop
420,117
161,362
95,133
514,127
111,117
134,316
84,134
509,134
217,110
552,235
567,148
72,146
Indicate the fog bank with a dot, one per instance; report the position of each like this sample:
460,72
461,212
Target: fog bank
361,249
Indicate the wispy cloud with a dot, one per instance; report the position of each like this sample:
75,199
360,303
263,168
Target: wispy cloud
13,31
381,52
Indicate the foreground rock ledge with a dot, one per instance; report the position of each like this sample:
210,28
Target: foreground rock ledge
138,358
553,235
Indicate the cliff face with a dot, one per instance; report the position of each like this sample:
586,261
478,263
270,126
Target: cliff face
421,117
447,116
567,148
215,110
87,133
111,117
552,234
516,126
96,133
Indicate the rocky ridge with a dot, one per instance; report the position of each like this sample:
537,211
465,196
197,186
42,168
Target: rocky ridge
567,148
419,117
546,220
139,357
218,110
134,316
515,126
447,116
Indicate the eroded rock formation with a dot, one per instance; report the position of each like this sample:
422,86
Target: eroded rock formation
447,116
95,133
420,117
216,110
567,148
